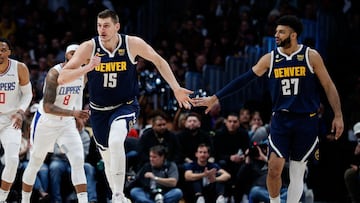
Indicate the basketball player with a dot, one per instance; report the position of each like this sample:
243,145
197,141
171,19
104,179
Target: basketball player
293,71
55,122
113,88
15,97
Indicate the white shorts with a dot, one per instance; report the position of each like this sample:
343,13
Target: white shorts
8,134
45,131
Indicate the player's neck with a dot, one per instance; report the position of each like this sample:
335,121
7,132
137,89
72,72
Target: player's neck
4,66
291,49
111,44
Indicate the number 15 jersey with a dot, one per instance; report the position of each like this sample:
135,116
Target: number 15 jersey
293,84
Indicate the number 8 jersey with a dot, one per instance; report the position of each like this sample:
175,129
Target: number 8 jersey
293,84
68,96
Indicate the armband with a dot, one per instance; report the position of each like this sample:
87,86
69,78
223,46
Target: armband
26,96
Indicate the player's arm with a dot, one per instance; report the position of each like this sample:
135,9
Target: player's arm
239,82
331,93
26,95
50,95
139,47
73,69
25,87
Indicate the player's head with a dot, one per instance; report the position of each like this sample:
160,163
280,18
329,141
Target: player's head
288,29
5,49
107,24
109,14
70,50
293,22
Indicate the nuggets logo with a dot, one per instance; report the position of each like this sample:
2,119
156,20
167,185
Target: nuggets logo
300,57
99,55
317,155
121,52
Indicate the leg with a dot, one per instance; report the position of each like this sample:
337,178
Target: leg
257,194
351,177
296,186
139,195
42,144
56,170
273,179
11,143
75,155
118,132
91,182
174,195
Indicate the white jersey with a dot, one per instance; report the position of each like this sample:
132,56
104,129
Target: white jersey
68,96
10,93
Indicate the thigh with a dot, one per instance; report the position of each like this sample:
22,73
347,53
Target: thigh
305,138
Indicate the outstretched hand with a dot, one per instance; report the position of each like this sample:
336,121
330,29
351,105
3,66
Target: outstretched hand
182,96
209,102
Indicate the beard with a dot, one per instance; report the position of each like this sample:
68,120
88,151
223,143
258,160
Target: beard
285,43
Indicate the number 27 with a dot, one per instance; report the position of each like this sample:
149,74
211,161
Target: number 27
290,86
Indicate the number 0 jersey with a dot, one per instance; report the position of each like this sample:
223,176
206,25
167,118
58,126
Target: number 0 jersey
293,84
116,75
9,88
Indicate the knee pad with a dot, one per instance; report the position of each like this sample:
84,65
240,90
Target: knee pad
10,169
118,133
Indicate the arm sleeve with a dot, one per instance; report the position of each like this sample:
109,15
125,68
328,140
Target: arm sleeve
236,84
26,96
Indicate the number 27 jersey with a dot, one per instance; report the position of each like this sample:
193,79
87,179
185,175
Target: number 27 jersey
293,84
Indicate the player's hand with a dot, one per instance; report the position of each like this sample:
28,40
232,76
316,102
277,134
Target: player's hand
182,96
94,61
81,114
209,102
337,127
17,119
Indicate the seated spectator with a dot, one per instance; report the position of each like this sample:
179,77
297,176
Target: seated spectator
59,168
157,179
192,136
352,174
158,134
230,144
207,180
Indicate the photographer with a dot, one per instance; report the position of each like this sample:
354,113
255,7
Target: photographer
156,181
251,177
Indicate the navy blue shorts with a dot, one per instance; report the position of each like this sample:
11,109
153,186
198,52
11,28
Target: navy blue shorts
293,135
101,121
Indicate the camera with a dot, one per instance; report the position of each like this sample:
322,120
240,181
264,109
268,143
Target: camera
156,192
158,196
253,150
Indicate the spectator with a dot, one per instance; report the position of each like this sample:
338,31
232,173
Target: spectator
230,144
192,136
157,180
158,134
207,180
352,174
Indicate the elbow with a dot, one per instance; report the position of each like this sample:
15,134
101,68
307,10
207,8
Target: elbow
47,108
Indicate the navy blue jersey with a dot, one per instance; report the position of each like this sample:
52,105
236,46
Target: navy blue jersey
116,75
293,84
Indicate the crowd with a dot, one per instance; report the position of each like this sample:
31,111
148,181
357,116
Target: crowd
218,156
